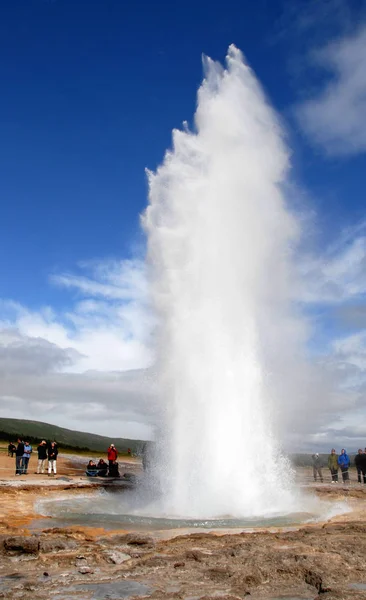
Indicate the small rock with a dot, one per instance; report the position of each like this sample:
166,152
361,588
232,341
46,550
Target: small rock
132,539
85,570
81,562
115,557
177,565
45,574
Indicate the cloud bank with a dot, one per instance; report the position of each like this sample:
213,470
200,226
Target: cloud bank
90,367
87,368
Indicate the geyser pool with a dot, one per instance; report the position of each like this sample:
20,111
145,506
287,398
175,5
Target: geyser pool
113,510
220,239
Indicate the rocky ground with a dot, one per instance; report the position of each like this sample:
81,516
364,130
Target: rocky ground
325,560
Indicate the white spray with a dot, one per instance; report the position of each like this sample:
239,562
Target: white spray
219,250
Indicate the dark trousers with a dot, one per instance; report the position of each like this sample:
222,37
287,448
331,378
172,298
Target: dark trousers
18,465
334,474
345,474
359,472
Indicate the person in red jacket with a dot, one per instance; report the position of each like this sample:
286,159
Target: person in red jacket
112,454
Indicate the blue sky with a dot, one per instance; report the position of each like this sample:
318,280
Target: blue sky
90,94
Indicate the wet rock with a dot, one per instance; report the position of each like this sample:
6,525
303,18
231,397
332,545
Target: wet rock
21,544
115,557
85,570
138,540
56,545
129,539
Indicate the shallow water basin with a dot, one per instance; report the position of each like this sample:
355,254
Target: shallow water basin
103,591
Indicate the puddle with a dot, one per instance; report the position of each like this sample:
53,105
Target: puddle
7,581
357,586
103,591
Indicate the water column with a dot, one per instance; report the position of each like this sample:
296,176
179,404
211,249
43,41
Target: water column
219,255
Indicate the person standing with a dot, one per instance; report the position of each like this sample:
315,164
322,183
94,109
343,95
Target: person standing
317,467
333,465
42,457
19,457
360,464
11,449
343,462
52,458
112,455
26,456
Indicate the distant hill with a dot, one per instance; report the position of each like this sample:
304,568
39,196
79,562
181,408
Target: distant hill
35,431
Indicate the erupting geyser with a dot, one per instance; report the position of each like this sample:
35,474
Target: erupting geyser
219,252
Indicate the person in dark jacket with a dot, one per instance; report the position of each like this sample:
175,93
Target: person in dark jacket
19,457
113,469
343,461
91,469
52,458
11,449
360,464
333,465
317,467
102,468
42,457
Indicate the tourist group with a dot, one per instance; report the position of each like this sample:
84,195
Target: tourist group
47,453
340,462
47,459
101,468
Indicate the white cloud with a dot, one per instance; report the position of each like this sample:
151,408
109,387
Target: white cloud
87,367
335,118
338,274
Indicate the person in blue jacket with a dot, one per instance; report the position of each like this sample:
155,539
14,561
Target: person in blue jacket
344,462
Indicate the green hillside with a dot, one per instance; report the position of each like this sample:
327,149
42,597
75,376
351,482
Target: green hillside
35,431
